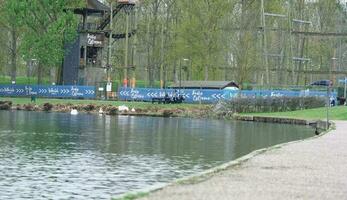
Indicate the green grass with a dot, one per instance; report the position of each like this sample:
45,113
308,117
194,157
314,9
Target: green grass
22,80
335,113
130,104
133,196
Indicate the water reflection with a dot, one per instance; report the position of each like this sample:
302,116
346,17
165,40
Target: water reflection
59,156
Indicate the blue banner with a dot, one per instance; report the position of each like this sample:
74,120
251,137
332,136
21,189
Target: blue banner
210,96
54,91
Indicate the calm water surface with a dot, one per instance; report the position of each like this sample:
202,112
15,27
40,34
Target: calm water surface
59,156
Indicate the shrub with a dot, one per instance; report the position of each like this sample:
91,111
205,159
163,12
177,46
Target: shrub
28,107
167,113
269,104
89,107
5,105
112,110
47,107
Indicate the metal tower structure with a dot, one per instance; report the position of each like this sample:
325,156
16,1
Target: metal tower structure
83,63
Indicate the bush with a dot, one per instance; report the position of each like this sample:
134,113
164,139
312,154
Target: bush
269,104
47,107
112,110
28,107
89,107
167,113
5,105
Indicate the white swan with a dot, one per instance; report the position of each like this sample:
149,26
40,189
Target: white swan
101,111
123,108
74,112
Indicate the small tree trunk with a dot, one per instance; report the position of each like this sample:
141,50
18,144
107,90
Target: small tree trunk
59,75
39,74
13,54
52,75
175,76
148,77
206,72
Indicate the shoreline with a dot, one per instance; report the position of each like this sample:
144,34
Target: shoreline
152,110
209,173
178,188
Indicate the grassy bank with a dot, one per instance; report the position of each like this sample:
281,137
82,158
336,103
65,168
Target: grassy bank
335,113
142,105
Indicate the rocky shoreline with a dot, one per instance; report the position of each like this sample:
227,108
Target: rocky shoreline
108,109
155,111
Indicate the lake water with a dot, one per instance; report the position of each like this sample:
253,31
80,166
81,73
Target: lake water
59,156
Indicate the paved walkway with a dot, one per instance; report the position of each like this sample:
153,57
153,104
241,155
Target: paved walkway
312,169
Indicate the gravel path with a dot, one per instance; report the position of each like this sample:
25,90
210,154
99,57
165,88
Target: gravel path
312,169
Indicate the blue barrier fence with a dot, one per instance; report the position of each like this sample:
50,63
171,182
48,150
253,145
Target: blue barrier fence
146,94
210,96
54,91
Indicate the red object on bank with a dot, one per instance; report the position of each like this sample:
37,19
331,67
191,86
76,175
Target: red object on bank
125,82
